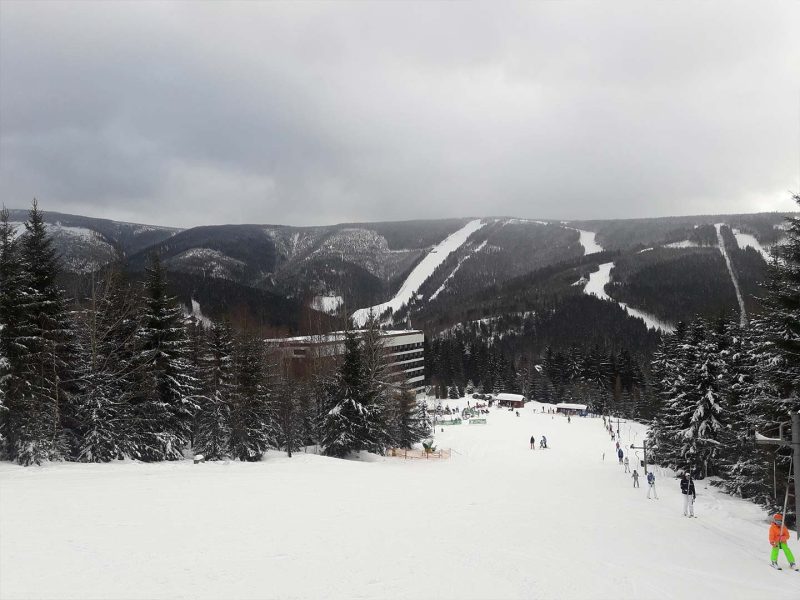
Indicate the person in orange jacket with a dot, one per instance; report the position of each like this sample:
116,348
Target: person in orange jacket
778,536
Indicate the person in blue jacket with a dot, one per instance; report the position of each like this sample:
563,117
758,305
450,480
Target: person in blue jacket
620,454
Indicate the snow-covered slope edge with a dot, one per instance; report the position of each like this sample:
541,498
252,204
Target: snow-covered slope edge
421,272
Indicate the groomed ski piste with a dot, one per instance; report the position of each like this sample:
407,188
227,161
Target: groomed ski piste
497,520
421,272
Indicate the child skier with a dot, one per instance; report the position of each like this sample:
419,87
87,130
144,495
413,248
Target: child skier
778,536
651,482
635,478
689,495
627,465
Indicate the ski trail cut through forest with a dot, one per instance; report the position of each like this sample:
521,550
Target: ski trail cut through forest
724,251
596,287
421,272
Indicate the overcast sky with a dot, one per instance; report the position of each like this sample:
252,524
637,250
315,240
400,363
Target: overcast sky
199,113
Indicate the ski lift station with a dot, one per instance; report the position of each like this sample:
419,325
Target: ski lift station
568,408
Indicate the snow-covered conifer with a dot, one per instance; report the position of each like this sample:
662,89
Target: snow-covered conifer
252,417
164,405
213,418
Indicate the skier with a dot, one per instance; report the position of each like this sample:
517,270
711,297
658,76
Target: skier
543,443
651,482
627,465
533,443
635,478
568,419
689,495
778,536
620,453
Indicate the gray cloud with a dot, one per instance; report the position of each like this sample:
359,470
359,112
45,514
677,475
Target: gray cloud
310,113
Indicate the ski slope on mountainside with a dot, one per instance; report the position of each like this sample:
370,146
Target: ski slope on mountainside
734,279
497,520
421,272
745,239
596,287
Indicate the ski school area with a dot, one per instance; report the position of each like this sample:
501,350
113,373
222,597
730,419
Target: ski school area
496,520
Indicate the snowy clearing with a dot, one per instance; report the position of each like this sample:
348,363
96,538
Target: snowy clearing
682,244
745,239
327,304
497,520
596,287
421,272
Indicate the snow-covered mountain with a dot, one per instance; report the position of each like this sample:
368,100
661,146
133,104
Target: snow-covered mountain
660,270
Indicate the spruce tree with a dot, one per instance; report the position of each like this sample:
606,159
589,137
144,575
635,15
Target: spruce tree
164,404
253,428
12,350
44,420
374,435
343,424
106,338
213,419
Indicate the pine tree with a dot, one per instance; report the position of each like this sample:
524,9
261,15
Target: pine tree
410,424
342,425
704,403
44,419
374,390
253,428
213,418
12,350
164,405
106,339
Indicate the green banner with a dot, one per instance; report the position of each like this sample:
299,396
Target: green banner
477,421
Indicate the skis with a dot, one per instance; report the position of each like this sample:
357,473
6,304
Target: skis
777,567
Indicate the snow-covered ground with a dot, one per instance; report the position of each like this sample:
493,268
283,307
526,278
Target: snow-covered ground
197,313
596,287
745,239
734,279
682,244
421,272
497,520
440,289
327,304
589,242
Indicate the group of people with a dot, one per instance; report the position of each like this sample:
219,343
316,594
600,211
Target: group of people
778,533
542,442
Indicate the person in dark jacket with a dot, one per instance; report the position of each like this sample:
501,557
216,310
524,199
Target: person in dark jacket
533,443
689,495
620,454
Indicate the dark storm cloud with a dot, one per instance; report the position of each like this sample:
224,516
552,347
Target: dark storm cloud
305,113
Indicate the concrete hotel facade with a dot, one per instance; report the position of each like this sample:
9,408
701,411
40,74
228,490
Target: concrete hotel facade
404,354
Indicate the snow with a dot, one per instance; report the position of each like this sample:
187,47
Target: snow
734,279
682,244
587,240
421,272
497,520
745,239
327,304
478,248
596,287
197,313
